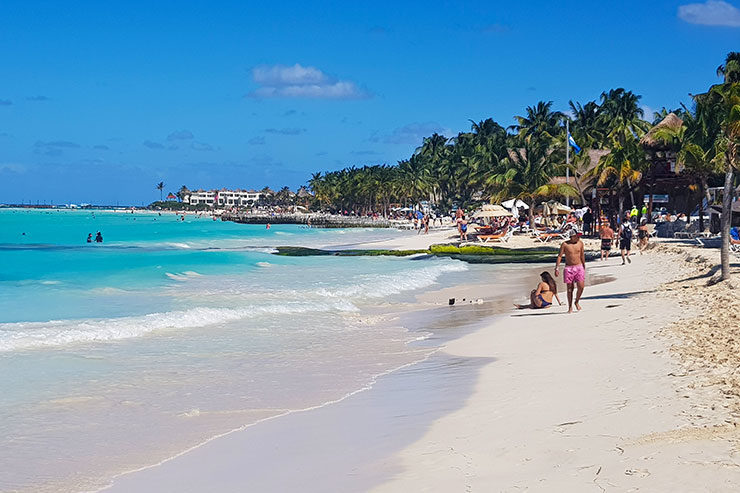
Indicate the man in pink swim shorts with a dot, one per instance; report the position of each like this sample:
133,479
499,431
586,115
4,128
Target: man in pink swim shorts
574,274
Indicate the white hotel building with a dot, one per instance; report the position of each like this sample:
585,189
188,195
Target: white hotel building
223,197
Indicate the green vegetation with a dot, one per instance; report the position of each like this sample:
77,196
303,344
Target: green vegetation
288,251
471,254
173,205
525,160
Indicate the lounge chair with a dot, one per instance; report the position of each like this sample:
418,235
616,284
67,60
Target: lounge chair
502,237
544,237
735,246
652,232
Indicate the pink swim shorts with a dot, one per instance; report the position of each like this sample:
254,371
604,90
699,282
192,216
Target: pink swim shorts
574,273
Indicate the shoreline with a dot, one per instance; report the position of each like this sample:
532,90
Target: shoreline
271,433
409,467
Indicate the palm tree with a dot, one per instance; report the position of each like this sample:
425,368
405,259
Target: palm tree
620,169
527,173
587,127
283,196
414,178
539,121
725,98
182,193
730,70
621,116
160,187
659,116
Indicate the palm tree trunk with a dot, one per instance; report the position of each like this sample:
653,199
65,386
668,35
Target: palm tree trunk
726,220
532,225
652,189
621,207
703,192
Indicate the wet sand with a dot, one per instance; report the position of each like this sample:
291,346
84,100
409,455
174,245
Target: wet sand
529,400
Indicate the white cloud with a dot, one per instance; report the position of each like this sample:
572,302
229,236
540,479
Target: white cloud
282,75
710,13
297,81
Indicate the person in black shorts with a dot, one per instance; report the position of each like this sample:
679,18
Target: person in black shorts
607,236
625,240
642,235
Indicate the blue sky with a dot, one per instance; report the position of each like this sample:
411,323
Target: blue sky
101,100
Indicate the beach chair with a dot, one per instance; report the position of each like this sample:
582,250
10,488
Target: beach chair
652,232
735,246
545,237
501,237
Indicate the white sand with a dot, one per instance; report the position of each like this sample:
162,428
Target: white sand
582,402
411,240
592,401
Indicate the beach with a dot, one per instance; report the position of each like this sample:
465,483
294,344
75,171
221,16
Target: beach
610,398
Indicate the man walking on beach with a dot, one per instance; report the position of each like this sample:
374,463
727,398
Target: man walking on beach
574,273
625,240
607,235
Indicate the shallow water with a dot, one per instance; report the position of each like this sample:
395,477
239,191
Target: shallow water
118,355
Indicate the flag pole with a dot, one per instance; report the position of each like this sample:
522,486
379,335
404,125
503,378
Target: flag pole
567,159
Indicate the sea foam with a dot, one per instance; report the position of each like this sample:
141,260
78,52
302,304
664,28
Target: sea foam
57,333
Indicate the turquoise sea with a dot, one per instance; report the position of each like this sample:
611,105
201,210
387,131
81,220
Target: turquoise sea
117,355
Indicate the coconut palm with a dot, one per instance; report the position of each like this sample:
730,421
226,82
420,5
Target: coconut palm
587,127
730,70
622,116
160,187
182,193
623,166
540,121
725,100
414,178
527,173
620,169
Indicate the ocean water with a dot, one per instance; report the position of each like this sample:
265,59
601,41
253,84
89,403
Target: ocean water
116,356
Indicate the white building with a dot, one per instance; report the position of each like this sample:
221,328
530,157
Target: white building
223,197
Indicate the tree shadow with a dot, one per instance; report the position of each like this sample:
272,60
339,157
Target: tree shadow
617,296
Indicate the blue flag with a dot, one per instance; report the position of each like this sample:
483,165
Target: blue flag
573,144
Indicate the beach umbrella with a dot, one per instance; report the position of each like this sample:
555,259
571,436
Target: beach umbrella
489,210
558,209
515,203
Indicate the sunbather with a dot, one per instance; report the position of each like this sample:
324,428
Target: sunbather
543,295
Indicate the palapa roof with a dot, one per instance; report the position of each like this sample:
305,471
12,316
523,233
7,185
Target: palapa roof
594,156
671,121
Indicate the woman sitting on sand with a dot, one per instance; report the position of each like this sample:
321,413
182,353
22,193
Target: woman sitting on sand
543,295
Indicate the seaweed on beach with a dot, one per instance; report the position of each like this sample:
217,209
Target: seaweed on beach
472,254
288,251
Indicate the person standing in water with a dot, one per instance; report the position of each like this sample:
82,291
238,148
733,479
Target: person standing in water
574,273
98,238
89,237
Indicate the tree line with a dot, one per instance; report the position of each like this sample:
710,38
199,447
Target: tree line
493,162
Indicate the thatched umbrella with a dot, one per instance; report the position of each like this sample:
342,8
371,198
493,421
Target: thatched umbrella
489,210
